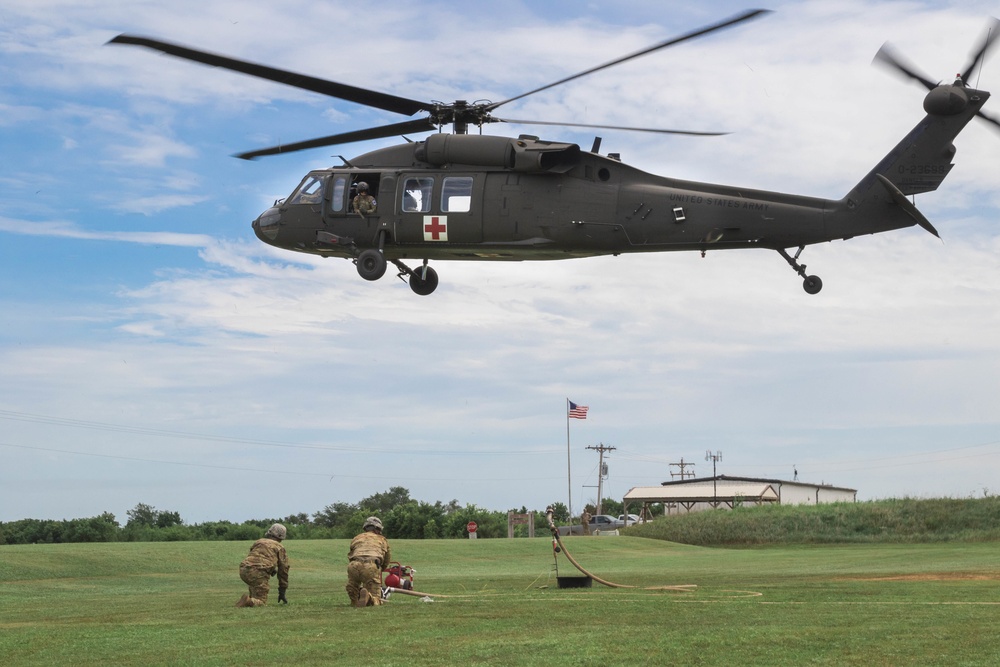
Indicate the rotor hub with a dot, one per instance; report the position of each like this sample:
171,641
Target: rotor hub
946,100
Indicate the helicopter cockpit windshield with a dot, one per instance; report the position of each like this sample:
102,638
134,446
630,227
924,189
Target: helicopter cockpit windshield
310,190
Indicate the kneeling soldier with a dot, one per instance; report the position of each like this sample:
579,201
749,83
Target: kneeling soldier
267,558
368,555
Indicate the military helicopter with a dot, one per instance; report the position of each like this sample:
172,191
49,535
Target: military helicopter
461,196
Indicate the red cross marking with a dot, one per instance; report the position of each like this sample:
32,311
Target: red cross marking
435,228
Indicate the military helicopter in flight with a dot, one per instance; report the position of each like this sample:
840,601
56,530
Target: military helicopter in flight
461,196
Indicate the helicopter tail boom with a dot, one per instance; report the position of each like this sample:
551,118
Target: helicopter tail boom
917,164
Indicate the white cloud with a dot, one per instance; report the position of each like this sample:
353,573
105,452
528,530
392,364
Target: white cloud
70,230
149,151
155,204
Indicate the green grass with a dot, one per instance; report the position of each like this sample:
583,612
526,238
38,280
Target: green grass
172,603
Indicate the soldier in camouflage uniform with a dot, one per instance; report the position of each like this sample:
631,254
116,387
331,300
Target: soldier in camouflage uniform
368,556
267,558
364,203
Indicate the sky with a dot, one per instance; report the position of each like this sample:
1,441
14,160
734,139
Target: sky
153,351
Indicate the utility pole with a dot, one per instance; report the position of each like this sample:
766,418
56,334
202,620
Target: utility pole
681,474
602,470
715,458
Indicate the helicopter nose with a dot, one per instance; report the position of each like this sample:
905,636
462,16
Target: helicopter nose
266,224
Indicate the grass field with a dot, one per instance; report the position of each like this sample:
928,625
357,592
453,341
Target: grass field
172,603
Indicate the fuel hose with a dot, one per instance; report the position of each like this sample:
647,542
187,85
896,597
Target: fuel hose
562,547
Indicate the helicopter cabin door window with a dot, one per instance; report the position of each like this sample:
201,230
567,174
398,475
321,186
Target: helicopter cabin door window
417,194
337,193
456,194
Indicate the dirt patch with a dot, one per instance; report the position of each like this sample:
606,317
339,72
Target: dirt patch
933,576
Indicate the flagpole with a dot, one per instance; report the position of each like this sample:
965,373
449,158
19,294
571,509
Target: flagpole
569,480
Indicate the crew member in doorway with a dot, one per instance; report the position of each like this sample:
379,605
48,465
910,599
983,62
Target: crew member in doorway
364,203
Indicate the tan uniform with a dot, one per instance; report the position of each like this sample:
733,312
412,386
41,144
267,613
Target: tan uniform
267,557
364,204
585,520
368,555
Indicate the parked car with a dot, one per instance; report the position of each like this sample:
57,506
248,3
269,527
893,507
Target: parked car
628,520
605,522
602,522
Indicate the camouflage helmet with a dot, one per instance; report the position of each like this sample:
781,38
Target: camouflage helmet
276,532
372,522
362,186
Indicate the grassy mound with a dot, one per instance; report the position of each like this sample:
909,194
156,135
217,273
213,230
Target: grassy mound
906,520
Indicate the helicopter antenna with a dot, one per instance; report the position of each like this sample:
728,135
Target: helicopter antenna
982,61
980,55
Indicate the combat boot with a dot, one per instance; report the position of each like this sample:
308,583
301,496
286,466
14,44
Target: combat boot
363,598
243,601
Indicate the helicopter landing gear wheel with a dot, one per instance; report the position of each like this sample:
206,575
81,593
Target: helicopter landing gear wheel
423,281
811,284
371,264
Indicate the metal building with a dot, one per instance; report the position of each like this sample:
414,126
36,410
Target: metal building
723,491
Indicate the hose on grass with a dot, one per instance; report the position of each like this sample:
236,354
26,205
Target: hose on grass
686,588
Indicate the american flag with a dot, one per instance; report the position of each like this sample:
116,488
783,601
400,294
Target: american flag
577,411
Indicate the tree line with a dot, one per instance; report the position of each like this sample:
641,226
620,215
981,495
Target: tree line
402,516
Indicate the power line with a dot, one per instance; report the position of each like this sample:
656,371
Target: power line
184,435
866,463
161,461
259,470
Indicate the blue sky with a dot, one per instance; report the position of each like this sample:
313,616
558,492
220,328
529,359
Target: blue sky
154,351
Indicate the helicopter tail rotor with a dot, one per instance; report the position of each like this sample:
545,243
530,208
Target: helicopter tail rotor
888,56
945,98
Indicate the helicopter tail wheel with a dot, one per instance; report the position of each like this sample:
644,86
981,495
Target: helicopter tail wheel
371,264
423,281
811,284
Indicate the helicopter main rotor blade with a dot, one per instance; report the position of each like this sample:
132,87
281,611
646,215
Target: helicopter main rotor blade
341,91
887,55
406,127
611,127
746,16
988,39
